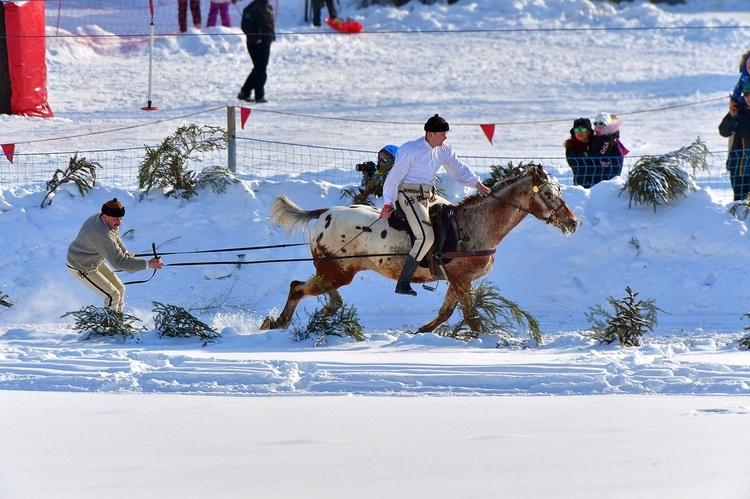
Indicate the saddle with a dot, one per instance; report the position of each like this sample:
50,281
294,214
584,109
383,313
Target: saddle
444,220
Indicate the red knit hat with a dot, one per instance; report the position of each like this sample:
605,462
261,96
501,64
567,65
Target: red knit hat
113,208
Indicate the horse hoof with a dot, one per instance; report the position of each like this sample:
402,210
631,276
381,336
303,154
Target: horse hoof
267,324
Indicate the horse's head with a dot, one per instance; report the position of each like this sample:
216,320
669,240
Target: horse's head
548,204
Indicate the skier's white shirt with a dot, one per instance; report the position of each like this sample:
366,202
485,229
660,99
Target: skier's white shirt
417,162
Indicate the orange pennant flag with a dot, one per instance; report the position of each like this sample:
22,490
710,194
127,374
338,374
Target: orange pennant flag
489,131
9,149
244,114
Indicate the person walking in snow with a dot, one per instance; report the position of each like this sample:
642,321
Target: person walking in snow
737,123
317,6
97,241
258,26
195,11
411,181
219,7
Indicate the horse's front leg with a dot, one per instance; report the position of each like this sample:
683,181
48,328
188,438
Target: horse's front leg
466,299
449,306
335,302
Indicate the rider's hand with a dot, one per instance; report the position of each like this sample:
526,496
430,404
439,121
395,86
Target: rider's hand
483,189
386,211
155,263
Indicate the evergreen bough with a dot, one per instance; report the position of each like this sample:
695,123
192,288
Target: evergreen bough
492,314
498,173
5,301
657,180
176,322
744,343
80,171
93,321
631,319
166,166
344,322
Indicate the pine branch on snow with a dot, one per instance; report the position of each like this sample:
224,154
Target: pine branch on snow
94,321
166,166
4,301
81,172
630,321
175,322
344,322
657,180
494,315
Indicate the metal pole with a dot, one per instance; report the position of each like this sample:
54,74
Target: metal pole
149,107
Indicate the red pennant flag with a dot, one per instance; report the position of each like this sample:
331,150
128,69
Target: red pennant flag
489,131
244,114
9,149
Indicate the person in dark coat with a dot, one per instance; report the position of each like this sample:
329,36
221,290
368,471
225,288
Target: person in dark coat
577,153
258,26
592,157
737,122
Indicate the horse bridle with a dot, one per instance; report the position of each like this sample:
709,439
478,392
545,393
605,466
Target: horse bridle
552,219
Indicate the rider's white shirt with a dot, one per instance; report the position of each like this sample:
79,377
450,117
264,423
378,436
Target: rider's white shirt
417,162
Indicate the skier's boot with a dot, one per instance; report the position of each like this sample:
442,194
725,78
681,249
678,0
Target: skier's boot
403,286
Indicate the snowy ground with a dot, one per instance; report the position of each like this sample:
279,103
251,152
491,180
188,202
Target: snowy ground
399,415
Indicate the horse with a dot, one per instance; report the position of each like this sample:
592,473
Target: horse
346,240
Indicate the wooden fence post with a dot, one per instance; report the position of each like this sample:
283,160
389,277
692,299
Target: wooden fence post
232,145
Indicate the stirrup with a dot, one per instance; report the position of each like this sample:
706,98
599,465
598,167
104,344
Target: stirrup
426,285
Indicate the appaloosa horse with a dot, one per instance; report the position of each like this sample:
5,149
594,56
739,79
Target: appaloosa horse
344,232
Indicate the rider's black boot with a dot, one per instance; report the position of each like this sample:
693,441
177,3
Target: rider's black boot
403,286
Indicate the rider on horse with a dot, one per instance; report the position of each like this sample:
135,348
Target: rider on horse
411,181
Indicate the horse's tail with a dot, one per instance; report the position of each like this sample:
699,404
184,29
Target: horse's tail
292,217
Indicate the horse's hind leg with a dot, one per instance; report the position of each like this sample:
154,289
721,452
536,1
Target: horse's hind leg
449,306
297,291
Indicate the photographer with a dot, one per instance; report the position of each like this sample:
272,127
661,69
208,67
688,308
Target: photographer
373,176
736,124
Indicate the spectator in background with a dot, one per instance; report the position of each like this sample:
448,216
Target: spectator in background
317,6
737,122
258,26
195,10
219,7
373,176
592,156
744,77
606,145
577,153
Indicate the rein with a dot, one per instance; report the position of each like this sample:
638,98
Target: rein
153,249
446,254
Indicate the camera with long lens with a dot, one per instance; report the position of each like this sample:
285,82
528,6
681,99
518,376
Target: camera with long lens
367,168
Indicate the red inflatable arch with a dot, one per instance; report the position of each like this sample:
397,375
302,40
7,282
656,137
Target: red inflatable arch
23,69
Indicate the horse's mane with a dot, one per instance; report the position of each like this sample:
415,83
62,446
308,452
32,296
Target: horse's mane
475,198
